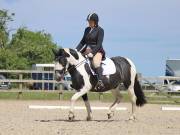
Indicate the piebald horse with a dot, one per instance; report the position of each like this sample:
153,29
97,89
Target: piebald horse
83,80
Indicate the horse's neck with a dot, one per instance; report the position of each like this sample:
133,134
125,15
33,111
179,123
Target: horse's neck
71,69
81,57
73,61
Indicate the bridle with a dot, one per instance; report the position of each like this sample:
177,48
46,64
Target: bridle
65,70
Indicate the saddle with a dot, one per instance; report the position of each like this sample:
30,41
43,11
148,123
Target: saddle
107,65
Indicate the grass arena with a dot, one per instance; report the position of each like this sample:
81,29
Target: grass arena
17,118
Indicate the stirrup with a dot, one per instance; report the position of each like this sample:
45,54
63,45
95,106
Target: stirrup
100,85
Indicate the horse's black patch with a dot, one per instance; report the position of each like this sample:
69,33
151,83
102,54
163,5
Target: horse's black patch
109,83
123,74
63,61
141,100
63,53
77,78
61,57
123,69
85,97
74,54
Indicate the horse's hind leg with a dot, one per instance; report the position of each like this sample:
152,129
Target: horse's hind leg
129,84
88,107
132,94
133,102
112,108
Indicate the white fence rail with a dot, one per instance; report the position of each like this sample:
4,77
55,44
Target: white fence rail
21,80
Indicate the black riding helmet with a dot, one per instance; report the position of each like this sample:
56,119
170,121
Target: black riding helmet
93,17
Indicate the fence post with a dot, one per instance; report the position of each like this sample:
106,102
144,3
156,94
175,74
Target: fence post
19,94
100,95
20,78
60,94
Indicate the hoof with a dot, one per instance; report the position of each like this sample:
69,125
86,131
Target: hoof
71,117
132,118
110,115
89,118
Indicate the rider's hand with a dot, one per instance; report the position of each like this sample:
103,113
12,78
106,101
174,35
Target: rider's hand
90,55
87,51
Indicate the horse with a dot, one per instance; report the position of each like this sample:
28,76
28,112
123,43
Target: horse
84,81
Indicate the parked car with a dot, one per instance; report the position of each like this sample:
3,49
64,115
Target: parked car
67,83
173,86
4,85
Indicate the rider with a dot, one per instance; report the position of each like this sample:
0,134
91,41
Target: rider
91,45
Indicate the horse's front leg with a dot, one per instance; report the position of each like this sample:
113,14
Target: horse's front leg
88,107
73,100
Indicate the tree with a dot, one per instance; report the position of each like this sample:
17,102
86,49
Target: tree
10,60
5,17
35,47
25,48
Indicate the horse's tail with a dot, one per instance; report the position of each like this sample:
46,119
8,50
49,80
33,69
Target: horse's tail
140,101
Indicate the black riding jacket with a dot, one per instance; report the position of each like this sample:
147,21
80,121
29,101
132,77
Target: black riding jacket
92,39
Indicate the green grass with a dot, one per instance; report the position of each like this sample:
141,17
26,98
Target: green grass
8,95
106,97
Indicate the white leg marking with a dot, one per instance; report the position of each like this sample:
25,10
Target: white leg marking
131,88
75,97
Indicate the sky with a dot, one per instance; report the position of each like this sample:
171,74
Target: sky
147,32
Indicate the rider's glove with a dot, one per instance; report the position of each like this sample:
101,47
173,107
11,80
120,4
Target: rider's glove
90,55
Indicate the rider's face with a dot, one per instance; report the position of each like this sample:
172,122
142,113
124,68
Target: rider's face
91,24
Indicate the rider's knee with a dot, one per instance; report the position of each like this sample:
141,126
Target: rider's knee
96,64
97,60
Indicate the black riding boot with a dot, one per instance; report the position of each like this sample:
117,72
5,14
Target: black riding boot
99,84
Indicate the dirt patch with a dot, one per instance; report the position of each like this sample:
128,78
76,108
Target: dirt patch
16,118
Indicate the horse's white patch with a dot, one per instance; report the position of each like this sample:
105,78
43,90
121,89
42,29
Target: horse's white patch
133,75
71,59
85,75
58,66
133,67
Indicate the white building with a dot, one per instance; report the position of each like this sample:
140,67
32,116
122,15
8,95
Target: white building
43,76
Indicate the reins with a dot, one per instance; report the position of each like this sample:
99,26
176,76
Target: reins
79,64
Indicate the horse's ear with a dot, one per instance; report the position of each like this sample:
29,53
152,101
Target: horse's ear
62,52
74,54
